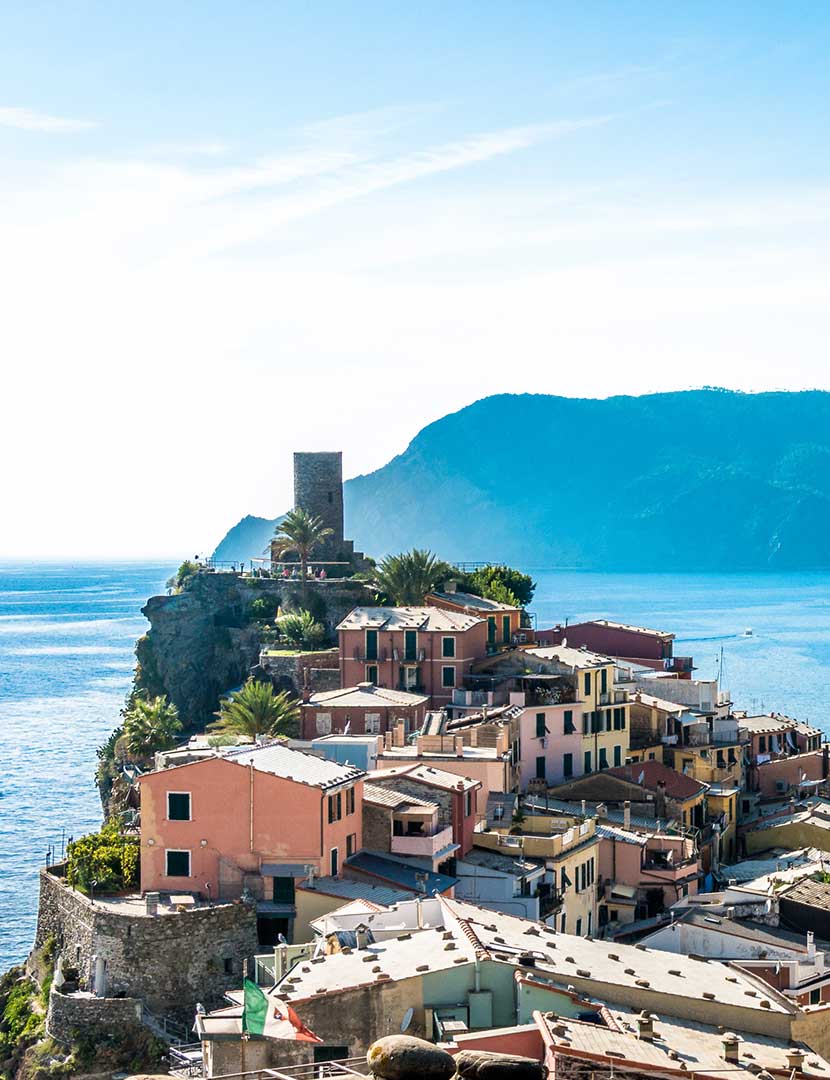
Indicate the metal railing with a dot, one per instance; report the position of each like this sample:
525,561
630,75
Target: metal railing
354,1066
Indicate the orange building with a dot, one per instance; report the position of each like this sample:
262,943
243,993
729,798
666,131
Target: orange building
256,820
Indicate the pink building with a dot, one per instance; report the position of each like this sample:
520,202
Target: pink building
455,797
253,819
643,873
423,650
550,744
637,644
784,754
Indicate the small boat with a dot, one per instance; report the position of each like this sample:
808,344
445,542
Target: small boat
748,632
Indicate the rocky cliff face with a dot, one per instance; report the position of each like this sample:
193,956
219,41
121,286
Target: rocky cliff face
204,641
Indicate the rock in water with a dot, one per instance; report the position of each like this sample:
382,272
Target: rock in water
484,1065
402,1057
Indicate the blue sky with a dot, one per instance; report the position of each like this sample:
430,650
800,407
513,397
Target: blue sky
233,230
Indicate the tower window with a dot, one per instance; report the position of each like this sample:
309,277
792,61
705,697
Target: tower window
331,496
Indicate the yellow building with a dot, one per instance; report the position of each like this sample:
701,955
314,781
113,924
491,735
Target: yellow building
570,849
605,707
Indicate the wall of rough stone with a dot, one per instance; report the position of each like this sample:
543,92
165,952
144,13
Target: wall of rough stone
318,670
377,827
69,1014
443,799
169,961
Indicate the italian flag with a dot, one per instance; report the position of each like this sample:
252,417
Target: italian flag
270,1018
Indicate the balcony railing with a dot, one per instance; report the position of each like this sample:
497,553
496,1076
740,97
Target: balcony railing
428,846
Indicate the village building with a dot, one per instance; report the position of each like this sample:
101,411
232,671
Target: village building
785,755
632,644
423,650
504,622
454,795
365,709
399,823
250,821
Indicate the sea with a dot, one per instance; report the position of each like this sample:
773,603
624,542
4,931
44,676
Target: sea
67,634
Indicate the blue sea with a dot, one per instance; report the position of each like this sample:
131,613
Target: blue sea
66,658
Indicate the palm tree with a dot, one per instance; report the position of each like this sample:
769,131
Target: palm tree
150,724
257,710
300,532
405,579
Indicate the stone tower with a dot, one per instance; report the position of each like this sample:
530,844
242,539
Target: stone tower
318,489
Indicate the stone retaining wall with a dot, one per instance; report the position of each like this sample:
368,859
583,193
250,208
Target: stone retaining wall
70,1014
169,961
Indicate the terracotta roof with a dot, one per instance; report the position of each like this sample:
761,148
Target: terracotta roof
384,796
648,774
810,892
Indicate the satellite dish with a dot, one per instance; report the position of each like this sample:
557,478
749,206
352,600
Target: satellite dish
407,1020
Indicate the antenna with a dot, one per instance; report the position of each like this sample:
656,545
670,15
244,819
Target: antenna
407,1020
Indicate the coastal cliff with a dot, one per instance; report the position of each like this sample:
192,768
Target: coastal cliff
204,640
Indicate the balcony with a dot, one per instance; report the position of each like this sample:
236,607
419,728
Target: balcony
427,846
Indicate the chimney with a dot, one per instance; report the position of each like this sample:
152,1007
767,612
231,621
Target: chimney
361,936
419,745
151,903
387,740
399,734
731,1045
795,1058
645,1026
584,807
811,946
459,746
627,814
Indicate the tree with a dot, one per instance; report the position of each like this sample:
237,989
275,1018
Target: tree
150,724
405,579
301,533
257,710
496,582
300,629
183,575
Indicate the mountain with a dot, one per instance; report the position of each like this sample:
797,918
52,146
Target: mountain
691,480
248,539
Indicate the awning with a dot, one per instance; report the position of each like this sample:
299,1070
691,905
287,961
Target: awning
272,869
627,891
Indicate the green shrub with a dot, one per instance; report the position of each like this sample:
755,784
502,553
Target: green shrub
301,630
108,858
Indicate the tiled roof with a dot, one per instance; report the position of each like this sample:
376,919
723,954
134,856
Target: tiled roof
407,618
366,696
768,722
437,778
611,832
648,774
352,889
399,872
468,600
808,891
387,796
294,765
574,658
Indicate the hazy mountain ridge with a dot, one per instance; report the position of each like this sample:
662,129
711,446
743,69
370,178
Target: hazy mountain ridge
692,480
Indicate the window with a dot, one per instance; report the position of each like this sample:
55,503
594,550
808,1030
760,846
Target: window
579,927
613,914
568,717
283,890
541,730
491,629
372,674
448,676
351,844
448,648
540,768
617,756
335,807
762,744
372,723
651,756
586,761
505,629
815,997
227,964
603,681
350,800
371,644
586,721
587,683
178,806
334,862
468,803
568,765
177,863
603,758
590,922
324,723
410,644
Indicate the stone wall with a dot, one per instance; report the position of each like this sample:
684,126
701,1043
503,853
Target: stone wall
377,827
319,671
70,1014
169,961
406,786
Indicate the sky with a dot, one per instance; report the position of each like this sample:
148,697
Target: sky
230,231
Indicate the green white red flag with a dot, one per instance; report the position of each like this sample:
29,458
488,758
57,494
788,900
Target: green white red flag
271,1018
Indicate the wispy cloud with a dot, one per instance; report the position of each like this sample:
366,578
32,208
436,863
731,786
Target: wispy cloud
15,116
